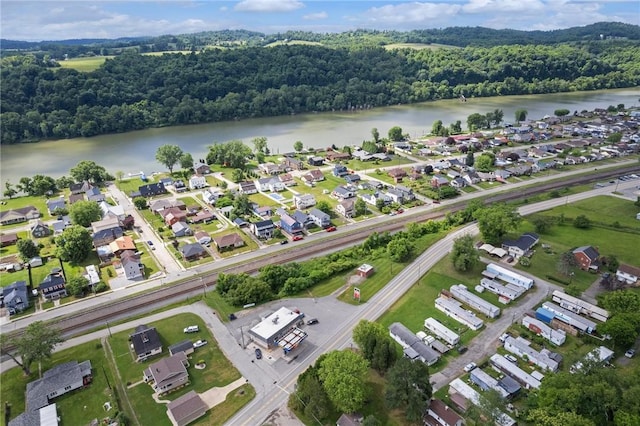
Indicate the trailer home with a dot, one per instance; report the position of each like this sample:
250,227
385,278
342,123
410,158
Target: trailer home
442,332
579,306
461,293
453,309
509,276
505,366
557,337
583,324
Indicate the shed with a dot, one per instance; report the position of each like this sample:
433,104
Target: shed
185,346
365,270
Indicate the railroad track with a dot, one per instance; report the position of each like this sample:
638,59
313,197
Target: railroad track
79,322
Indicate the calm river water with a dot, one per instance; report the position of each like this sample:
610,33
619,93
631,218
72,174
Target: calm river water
135,151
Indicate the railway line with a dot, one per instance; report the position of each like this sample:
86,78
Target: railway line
82,321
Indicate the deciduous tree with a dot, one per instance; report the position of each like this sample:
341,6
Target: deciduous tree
464,254
343,375
395,134
77,285
399,249
169,156
496,220
27,249
298,146
84,212
89,171
35,344
140,203
74,244
409,388
186,161
9,190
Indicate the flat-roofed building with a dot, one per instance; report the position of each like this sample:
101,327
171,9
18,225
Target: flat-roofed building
272,328
461,293
453,309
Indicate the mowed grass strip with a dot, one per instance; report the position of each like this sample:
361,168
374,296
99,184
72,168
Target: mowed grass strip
85,64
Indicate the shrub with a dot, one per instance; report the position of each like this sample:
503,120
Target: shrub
100,287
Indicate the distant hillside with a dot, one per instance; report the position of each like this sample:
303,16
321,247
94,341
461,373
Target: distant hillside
455,36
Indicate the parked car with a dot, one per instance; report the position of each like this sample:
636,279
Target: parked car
312,321
191,329
330,228
462,349
630,353
199,343
469,367
511,358
232,317
504,337
284,242
297,238
150,242
258,353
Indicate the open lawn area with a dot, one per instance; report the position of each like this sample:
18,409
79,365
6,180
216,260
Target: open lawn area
78,407
84,64
396,160
219,370
219,414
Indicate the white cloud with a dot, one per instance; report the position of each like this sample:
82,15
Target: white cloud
414,12
268,5
504,6
315,16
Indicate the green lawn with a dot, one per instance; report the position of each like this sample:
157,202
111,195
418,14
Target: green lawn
396,160
78,407
222,412
84,64
219,371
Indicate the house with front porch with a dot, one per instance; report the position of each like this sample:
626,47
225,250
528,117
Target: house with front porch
53,286
346,208
304,201
290,225
40,230
131,265
320,218
18,215
262,229
197,182
343,193
228,242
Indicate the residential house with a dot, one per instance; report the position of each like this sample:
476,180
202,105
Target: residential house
112,211
290,225
315,161
352,179
627,273
287,179
74,198
502,175
458,182
248,188
523,245
337,156
92,275
452,174
346,208
167,374
413,347
340,170
272,184
439,414
587,258
520,170
320,218
197,182
291,163
53,286
80,188
270,168
152,189
93,194
304,201
395,195
397,174
203,216
10,239
193,251
121,244
438,181
262,211
165,203
201,168
202,237
441,165
240,222
343,193
487,176
57,381
145,342
303,218
316,175
185,346
228,242
181,229
186,409
18,215
471,177
354,419
173,215
210,197
372,199
54,204
15,297
407,193
263,229
131,265
105,236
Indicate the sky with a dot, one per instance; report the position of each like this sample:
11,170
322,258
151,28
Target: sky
59,20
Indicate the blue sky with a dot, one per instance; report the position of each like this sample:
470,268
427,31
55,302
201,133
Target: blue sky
55,20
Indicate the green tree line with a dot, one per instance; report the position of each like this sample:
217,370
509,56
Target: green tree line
134,91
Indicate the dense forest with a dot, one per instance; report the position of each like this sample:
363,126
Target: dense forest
134,91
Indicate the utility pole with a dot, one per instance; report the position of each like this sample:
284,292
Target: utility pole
109,328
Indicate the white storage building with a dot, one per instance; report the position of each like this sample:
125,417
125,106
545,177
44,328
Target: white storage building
544,359
461,293
454,310
505,366
509,276
575,320
439,329
557,337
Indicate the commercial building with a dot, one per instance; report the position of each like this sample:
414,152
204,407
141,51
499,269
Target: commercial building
505,366
544,359
442,332
272,328
557,337
461,293
454,310
508,276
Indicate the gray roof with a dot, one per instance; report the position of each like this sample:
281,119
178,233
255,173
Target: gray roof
16,293
525,242
187,407
145,339
183,346
193,249
54,379
589,251
264,224
319,214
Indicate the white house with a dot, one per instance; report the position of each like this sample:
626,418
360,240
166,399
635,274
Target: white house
304,201
197,182
627,273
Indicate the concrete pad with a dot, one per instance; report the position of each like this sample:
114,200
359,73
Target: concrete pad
215,396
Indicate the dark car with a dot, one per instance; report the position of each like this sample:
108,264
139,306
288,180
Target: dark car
232,317
284,242
258,353
312,321
462,349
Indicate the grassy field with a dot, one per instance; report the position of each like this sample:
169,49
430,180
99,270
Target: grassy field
76,408
396,160
419,46
85,64
219,371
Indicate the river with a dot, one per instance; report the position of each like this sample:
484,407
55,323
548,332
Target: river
135,151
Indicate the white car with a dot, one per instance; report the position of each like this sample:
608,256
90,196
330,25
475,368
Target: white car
191,329
630,353
511,358
199,343
469,367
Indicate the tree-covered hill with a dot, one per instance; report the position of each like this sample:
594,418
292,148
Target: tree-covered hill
134,91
